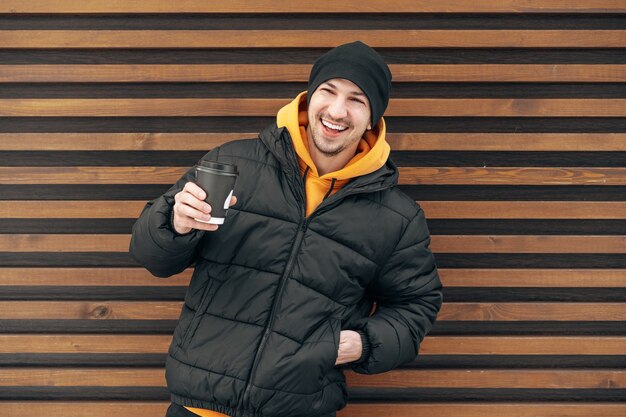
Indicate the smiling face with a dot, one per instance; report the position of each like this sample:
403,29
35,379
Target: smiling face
339,113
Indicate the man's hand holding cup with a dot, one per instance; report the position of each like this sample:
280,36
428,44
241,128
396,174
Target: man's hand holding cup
189,205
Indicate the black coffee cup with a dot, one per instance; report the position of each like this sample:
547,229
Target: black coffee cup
217,179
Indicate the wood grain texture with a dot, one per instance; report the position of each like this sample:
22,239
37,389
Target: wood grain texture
523,345
551,311
509,378
151,39
536,278
528,244
477,409
478,277
148,141
310,6
170,310
501,378
105,209
524,209
88,310
432,345
473,409
157,141
408,175
92,209
406,107
300,73
42,242
89,277
80,343
82,377
512,176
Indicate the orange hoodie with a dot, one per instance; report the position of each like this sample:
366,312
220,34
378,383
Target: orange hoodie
371,154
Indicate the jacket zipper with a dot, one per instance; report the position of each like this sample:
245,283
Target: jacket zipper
302,226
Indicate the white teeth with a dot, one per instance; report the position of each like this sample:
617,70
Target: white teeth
332,126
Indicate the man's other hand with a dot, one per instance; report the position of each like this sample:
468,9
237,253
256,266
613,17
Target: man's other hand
350,347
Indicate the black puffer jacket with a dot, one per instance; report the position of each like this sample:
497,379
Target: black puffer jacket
259,330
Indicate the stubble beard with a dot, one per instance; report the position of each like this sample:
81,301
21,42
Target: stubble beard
327,147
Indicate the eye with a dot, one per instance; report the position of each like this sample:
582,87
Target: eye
358,100
326,90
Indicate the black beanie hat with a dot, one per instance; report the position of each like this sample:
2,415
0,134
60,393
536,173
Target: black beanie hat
360,64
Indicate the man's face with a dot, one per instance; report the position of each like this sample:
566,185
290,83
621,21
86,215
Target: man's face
339,113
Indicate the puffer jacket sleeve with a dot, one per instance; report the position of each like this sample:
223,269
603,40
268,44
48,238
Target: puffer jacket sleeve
408,295
155,244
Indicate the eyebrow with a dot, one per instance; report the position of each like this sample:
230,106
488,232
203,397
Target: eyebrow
355,93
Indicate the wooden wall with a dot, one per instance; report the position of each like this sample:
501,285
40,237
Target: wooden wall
508,120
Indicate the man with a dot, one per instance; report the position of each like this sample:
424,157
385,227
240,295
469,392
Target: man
282,296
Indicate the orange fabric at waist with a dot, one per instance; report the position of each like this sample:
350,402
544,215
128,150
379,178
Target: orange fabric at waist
205,413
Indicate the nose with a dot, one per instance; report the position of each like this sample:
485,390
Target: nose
337,108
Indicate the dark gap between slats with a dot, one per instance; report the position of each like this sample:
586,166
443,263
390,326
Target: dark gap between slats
421,362
228,124
441,328
288,90
356,395
142,192
444,260
319,21
495,395
308,56
436,226
481,159
451,294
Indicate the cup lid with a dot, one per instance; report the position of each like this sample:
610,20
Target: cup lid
218,166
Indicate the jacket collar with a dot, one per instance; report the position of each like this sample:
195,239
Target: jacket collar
280,144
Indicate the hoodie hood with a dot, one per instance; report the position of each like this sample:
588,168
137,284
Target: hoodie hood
372,154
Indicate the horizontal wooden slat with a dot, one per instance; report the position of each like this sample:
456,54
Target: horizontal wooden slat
530,277
523,345
149,39
453,107
89,277
170,310
528,244
432,345
300,73
96,209
88,310
63,243
524,209
500,378
509,378
440,243
90,175
85,408
408,175
473,409
81,377
152,141
565,278
312,6
39,209
556,311
561,142
512,176
75,343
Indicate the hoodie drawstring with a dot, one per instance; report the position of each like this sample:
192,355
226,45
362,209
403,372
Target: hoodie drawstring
332,185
